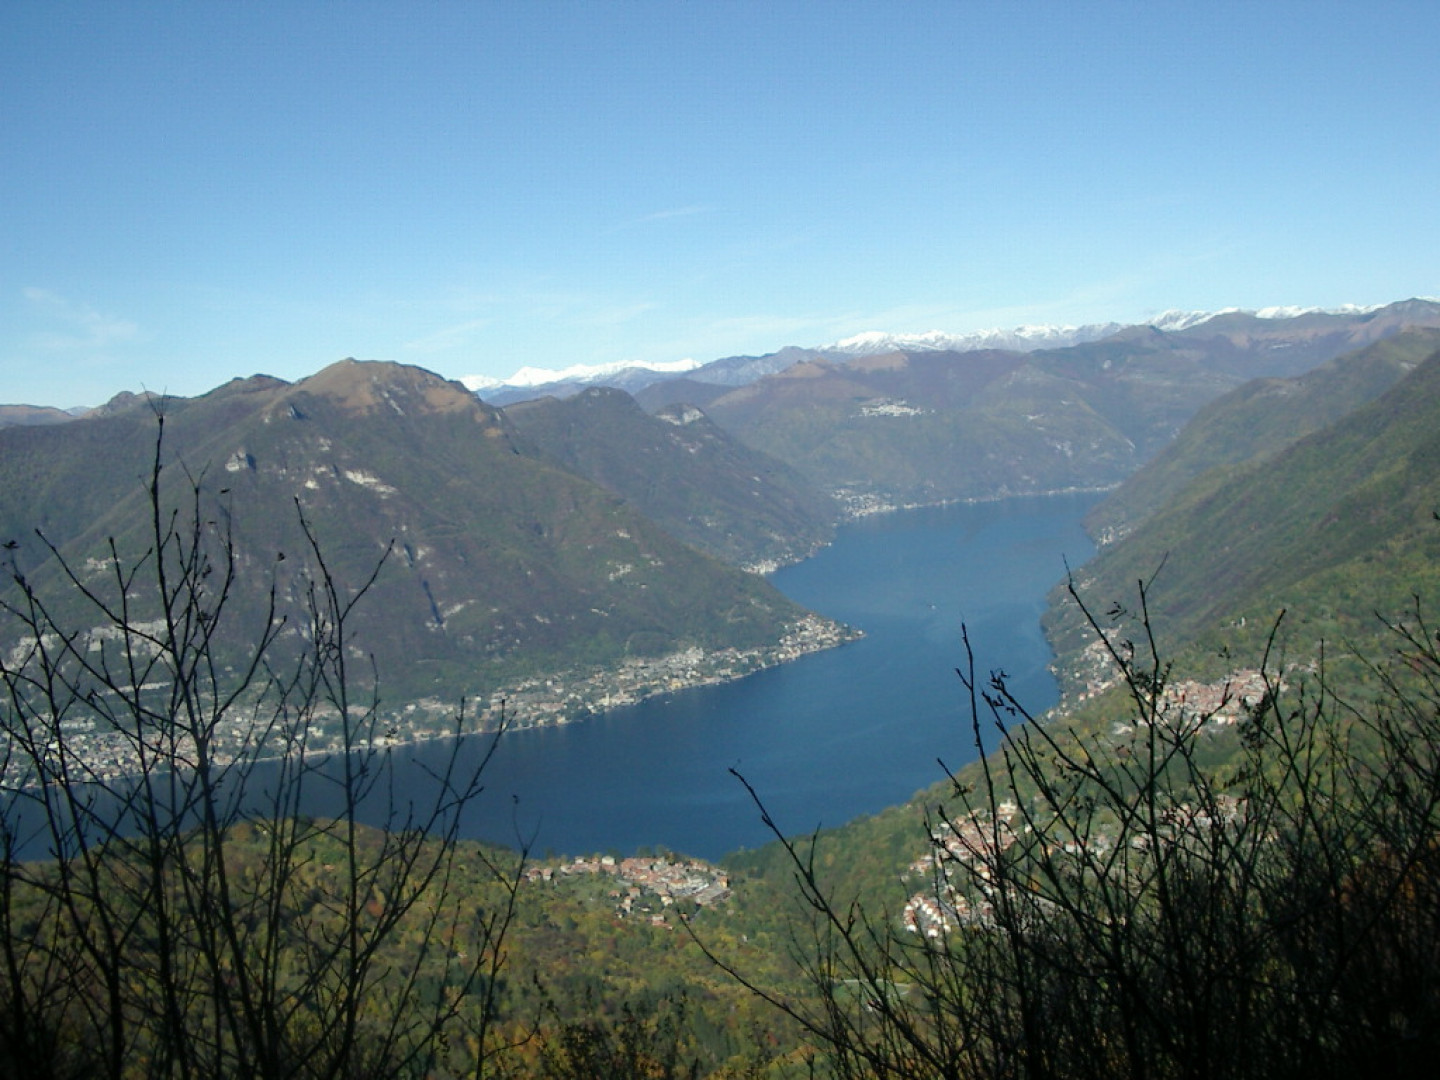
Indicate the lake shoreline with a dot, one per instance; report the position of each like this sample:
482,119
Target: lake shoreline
838,734
825,734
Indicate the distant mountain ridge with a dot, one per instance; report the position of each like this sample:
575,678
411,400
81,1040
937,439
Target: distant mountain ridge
589,374
918,427
734,371
32,415
1020,339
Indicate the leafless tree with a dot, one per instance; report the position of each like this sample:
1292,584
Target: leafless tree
169,904
1126,902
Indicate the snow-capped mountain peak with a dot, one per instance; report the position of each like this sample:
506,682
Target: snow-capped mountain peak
1020,339
1176,320
873,341
576,373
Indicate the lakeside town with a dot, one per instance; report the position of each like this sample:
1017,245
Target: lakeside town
570,696
78,749
976,839
642,886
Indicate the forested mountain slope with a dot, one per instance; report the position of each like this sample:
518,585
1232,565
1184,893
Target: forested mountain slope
1336,527
503,566
683,472
1258,419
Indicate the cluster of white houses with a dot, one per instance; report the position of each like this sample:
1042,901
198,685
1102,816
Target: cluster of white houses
640,883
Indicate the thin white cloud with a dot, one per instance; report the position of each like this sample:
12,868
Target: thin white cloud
672,214
615,314
784,329
84,328
447,338
579,309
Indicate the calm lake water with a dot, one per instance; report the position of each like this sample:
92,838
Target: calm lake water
827,738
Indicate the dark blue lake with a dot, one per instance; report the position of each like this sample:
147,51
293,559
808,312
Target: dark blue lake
827,738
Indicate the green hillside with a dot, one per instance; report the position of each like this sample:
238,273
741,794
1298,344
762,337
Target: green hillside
1334,528
1258,419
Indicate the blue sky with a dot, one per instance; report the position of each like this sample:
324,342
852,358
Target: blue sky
197,191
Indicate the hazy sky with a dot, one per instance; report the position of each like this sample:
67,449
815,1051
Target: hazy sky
190,192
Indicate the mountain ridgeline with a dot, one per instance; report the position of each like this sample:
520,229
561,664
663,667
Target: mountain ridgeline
504,567
917,427
588,530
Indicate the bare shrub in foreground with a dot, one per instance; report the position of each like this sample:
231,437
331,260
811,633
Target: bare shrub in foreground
180,913
1125,903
